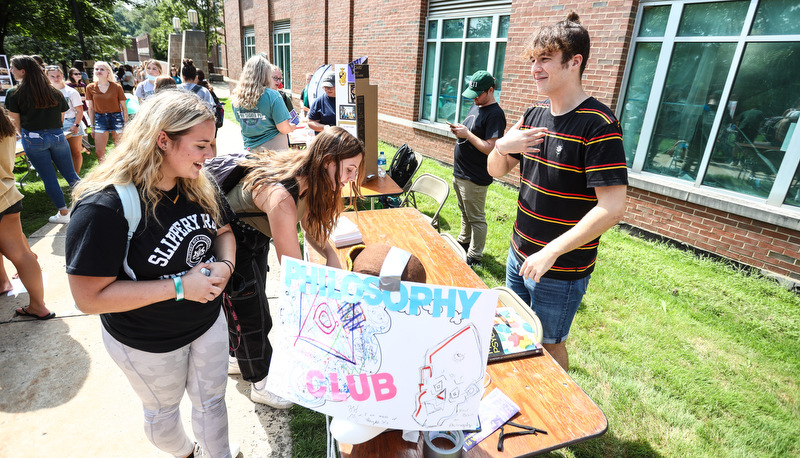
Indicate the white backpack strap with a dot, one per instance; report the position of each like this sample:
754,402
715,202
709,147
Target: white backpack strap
132,208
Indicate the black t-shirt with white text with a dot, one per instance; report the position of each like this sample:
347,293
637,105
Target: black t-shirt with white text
182,237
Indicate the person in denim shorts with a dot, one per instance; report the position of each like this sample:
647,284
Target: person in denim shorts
107,108
37,111
573,181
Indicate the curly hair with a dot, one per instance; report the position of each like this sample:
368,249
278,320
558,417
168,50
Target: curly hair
138,158
324,197
567,36
256,76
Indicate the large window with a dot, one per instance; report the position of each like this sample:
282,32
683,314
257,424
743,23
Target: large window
249,47
712,96
282,50
457,47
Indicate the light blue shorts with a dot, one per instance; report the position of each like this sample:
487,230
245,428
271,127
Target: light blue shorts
68,123
554,301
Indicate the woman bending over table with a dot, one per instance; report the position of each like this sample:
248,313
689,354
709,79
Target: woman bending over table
107,108
166,329
284,188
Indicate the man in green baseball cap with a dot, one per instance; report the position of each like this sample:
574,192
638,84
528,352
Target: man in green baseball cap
484,124
480,81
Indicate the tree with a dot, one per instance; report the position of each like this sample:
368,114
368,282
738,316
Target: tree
51,28
210,20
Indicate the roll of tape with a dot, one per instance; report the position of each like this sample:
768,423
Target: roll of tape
429,450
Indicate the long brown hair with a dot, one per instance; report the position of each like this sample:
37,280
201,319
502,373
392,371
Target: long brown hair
35,87
6,127
324,198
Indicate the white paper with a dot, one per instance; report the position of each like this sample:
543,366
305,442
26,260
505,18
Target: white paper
413,359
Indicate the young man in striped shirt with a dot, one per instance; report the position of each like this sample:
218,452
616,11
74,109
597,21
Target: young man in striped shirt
573,180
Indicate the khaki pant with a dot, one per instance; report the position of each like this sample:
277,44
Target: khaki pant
472,204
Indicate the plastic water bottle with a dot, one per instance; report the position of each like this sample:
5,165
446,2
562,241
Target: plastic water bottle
382,165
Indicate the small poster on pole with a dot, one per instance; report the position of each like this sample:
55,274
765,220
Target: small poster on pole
408,359
5,77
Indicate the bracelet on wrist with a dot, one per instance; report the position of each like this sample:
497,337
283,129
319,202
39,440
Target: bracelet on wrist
178,288
229,264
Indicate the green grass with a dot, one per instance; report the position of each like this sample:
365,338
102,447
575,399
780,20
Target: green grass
686,356
37,207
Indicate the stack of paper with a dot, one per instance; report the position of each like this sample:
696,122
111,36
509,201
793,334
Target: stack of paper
345,233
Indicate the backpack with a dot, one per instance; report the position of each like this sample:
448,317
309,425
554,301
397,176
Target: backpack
226,170
219,107
403,166
132,209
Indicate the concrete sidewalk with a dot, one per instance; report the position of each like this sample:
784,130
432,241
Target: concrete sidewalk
62,395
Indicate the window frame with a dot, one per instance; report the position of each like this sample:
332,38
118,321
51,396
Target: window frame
282,52
248,42
493,40
791,161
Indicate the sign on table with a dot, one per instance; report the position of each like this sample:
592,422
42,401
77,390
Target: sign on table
409,359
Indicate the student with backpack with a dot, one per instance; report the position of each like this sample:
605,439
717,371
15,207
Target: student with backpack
271,192
157,286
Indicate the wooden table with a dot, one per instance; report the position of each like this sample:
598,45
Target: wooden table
548,398
376,187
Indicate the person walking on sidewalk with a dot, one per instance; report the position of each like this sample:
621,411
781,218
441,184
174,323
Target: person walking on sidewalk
159,294
573,182
37,111
484,124
13,243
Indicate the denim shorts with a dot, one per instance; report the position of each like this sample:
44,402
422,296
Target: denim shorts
554,301
108,122
68,123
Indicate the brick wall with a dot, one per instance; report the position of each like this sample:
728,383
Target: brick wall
761,245
233,40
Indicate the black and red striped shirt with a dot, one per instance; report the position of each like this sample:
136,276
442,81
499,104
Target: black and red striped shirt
582,150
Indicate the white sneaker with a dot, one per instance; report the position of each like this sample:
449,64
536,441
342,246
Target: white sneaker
197,452
58,218
235,449
261,395
233,367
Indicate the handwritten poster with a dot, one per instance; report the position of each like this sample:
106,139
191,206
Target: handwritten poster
408,359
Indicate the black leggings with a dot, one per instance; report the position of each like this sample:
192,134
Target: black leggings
249,300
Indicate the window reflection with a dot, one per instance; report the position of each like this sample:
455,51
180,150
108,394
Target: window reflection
637,94
688,107
752,144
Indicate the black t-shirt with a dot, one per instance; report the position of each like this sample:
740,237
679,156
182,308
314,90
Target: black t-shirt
582,150
183,238
37,119
469,163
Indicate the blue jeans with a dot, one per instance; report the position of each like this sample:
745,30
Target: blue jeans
43,148
554,301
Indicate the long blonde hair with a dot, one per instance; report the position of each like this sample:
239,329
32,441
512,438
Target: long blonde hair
324,198
138,158
256,76
111,75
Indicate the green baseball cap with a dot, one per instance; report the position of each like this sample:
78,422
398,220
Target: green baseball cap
480,81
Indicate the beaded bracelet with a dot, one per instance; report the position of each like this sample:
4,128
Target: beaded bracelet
178,288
